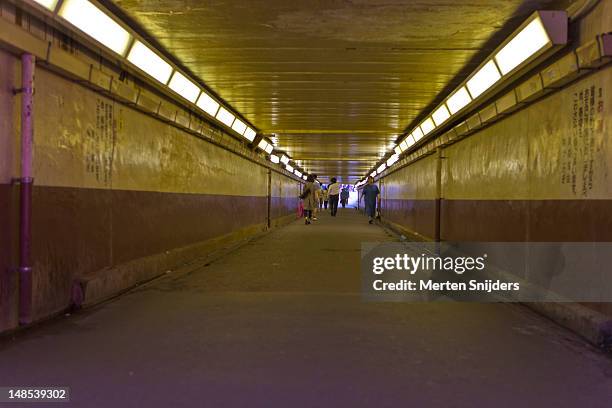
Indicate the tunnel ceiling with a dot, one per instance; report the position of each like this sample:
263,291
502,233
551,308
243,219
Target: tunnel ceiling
336,82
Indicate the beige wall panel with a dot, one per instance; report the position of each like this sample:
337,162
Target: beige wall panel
10,75
414,182
598,21
488,165
86,140
284,187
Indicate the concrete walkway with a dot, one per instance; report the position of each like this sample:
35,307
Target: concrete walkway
279,323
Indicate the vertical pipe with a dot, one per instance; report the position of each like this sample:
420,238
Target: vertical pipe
268,217
25,212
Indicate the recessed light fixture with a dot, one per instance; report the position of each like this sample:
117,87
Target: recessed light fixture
427,126
225,116
97,24
458,100
180,84
208,104
239,126
250,134
149,62
482,80
440,115
526,43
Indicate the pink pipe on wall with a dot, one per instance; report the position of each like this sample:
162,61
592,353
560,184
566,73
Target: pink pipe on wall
25,194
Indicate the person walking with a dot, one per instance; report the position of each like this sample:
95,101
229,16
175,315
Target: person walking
370,194
344,196
333,191
309,197
317,190
325,196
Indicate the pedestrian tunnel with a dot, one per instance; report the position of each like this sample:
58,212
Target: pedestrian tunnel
146,139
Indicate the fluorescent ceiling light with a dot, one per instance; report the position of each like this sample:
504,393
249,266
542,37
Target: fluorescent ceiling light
184,87
148,61
225,116
483,79
262,144
250,134
95,23
297,173
48,4
404,145
304,177
397,149
417,135
440,115
427,126
274,158
458,100
372,174
527,42
289,168
284,159
208,104
392,160
269,148
381,168
410,140
239,126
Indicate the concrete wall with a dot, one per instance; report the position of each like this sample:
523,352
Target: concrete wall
120,196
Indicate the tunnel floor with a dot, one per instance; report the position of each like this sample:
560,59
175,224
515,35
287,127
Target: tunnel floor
280,322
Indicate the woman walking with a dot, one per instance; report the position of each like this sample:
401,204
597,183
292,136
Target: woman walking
309,198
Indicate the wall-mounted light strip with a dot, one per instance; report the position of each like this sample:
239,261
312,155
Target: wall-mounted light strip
427,126
180,84
208,104
225,117
440,115
458,100
250,134
239,126
48,4
483,79
526,43
95,23
106,30
392,160
149,62
542,32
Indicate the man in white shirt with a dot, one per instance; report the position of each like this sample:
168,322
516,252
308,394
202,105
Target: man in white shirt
333,190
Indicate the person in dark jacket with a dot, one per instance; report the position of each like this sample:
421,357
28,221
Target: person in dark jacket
344,196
